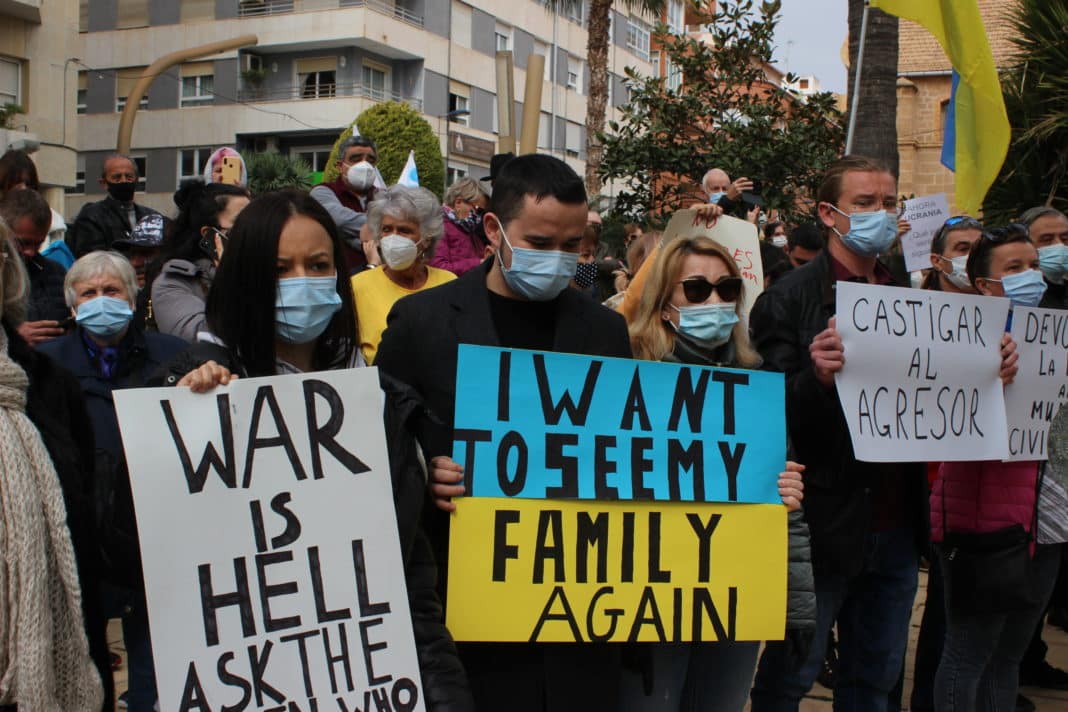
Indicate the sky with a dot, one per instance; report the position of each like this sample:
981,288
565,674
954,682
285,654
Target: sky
809,38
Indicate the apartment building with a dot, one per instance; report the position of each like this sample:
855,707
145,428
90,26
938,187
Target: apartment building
316,65
38,73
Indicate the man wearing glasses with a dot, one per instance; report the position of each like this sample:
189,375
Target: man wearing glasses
347,196
867,520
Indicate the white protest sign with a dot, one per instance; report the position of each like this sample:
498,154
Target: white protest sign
921,376
269,540
1040,387
737,236
925,216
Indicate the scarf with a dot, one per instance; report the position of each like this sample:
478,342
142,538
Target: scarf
44,654
468,224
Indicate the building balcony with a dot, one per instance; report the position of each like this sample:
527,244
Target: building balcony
28,10
261,8
328,90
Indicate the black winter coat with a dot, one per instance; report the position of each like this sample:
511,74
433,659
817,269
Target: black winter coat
444,682
101,223
839,489
54,404
46,290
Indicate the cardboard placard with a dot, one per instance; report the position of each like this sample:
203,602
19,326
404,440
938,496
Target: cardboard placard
1040,387
585,571
921,377
272,563
925,216
532,424
739,237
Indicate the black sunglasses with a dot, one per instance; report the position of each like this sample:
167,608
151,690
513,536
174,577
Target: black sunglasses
698,289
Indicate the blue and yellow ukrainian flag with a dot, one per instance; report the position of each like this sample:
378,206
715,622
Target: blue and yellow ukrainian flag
977,128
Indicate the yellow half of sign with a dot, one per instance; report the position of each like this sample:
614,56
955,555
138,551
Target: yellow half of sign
587,571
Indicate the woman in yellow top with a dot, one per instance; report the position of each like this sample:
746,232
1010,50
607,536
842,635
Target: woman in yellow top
405,225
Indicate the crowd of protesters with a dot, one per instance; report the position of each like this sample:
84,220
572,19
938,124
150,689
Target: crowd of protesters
354,273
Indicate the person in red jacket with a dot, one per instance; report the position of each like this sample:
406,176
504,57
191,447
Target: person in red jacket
464,245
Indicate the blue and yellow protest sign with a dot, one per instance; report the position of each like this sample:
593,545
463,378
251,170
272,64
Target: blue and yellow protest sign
583,571
540,425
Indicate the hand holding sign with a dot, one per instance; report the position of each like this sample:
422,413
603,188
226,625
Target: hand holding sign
446,477
827,353
791,487
1009,359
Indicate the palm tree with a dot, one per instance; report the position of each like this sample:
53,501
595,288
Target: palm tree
876,129
597,28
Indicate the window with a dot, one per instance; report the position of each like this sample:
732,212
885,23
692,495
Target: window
676,16
191,162
132,13
79,177
82,95
461,24
574,74
638,37
317,77
10,81
803,84
574,139
125,79
458,103
673,74
375,81
503,36
83,18
196,10
654,58
454,173
574,11
198,84
543,49
142,172
545,131
317,157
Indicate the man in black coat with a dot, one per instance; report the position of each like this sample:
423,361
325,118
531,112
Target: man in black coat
868,521
517,299
99,224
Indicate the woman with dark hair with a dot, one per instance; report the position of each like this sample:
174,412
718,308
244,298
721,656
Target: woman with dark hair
190,254
281,303
987,634
949,255
17,170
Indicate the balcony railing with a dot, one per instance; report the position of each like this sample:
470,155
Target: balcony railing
263,8
325,91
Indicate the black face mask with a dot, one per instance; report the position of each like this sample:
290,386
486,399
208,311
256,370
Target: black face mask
586,274
123,192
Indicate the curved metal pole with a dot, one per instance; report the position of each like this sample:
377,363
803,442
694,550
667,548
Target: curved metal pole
161,65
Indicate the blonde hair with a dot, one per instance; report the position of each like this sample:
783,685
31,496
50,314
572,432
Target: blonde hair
651,337
14,282
466,188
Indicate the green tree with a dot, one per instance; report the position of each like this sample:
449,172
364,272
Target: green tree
397,128
271,170
597,40
724,114
1035,88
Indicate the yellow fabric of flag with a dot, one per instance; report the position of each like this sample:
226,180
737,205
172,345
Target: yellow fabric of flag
982,126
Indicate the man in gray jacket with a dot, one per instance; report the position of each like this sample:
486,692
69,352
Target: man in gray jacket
347,196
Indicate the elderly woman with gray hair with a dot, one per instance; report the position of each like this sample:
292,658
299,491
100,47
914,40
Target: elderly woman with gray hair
464,246
105,353
405,225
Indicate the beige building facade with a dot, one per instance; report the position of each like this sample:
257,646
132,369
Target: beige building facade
316,65
923,93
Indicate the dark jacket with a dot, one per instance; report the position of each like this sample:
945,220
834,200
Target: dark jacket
101,223
140,355
1056,296
444,683
55,405
419,348
839,490
46,290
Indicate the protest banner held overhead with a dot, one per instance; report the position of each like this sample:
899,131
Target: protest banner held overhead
548,425
740,239
925,216
921,377
1040,387
269,539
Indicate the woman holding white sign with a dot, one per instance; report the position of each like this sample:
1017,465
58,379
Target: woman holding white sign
689,314
280,304
982,521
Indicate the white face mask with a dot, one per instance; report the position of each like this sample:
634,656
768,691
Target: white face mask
398,252
361,176
779,240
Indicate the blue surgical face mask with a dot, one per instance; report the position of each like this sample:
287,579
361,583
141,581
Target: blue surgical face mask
304,307
707,325
959,276
538,275
1025,289
716,197
1054,262
104,316
870,234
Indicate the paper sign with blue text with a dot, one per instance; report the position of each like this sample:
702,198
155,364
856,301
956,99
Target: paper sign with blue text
921,380
1040,387
268,533
531,424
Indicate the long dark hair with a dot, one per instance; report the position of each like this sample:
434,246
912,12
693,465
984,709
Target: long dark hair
240,305
199,205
